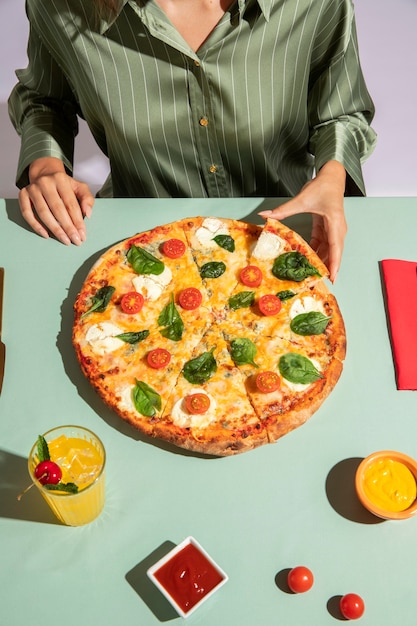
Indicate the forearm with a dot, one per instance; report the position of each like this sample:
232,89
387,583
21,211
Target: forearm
340,107
43,111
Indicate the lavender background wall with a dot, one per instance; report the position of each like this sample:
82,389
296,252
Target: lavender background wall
388,47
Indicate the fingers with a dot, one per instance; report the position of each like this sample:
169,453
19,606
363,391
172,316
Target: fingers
85,198
328,231
292,207
56,204
327,239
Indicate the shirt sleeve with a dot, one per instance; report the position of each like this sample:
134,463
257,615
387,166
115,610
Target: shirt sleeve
340,107
43,111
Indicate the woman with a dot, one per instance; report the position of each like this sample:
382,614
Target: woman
194,98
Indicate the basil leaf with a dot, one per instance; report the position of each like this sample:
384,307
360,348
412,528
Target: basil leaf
68,487
200,369
225,241
172,322
144,262
243,351
286,294
133,337
293,266
242,300
43,450
100,300
146,400
298,369
312,323
213,269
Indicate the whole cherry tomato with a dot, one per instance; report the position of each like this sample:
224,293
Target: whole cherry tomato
251,276
132,302
173,248
300,579
352,606
190,298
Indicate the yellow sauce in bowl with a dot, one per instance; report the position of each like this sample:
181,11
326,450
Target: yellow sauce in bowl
390,485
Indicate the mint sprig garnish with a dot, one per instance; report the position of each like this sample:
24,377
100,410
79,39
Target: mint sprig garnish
43,450
68,487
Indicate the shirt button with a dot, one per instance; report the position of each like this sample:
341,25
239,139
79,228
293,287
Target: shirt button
196,63
203,121
213,168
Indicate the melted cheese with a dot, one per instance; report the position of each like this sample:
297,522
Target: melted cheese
126,402
182,418
210,228
305,304
151,286
268,246
102,337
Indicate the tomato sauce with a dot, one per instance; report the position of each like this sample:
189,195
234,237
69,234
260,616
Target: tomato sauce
188,577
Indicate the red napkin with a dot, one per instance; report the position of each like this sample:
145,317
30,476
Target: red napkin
400,279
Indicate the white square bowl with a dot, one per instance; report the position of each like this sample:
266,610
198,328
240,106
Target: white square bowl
172,555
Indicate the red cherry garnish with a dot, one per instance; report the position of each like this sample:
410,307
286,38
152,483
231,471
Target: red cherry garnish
48,473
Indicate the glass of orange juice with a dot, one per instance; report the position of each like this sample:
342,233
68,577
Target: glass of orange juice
81,457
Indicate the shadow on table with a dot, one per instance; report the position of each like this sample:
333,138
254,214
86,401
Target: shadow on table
14,479
341,493
281,580
333,607
139,581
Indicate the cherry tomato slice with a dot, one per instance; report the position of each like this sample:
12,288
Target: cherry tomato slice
132,302
190,298
269,304
251,276
352,606
197,403
267,381
48,473
158,358
173,248
300,579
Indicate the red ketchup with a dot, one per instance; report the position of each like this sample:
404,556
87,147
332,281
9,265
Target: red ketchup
188,577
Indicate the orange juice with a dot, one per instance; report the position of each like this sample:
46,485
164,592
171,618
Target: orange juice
81,457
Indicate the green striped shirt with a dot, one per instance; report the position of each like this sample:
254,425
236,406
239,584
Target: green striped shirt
274,92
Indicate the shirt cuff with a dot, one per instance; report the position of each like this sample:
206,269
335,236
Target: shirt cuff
43,137
336,142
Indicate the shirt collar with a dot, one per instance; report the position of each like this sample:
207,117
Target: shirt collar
265,6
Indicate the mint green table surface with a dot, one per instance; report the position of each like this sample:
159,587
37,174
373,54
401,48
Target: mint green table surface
257,514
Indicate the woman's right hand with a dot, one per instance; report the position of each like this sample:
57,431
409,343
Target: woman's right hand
56,203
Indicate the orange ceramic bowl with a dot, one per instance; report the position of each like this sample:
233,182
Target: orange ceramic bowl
409,462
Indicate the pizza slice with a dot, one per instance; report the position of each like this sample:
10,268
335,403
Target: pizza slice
282,262
208,408
135,371
221,248
146,282
305,316
285,380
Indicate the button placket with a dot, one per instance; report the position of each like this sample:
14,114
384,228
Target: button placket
205,132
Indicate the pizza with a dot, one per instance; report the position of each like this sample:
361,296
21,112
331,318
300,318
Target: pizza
213,334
